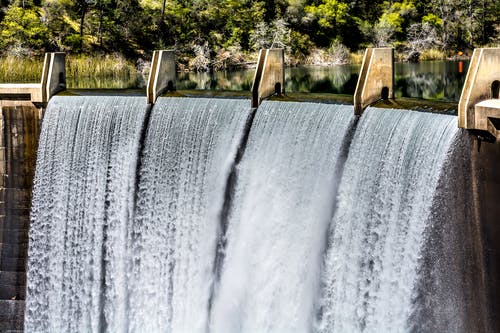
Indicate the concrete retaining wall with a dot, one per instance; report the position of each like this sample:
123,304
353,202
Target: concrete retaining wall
486,194
20,128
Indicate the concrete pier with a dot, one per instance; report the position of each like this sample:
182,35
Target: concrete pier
269,78
479,108
376,78
162,75
53,80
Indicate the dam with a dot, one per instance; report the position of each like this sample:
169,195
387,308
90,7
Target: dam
183,214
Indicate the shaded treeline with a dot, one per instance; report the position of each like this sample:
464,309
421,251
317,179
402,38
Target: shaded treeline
224,33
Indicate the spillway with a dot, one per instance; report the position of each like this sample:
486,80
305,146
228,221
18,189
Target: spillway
284,200
203,215
83,202
382,223
190,147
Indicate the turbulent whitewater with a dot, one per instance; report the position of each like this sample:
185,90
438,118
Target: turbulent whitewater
284,200
83,202
377,234
189,150
203,215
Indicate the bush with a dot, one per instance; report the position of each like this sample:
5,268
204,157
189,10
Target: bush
201,61
22,29
232,57
337,54
432,54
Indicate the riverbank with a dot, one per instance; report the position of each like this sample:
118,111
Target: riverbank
26,70
116,66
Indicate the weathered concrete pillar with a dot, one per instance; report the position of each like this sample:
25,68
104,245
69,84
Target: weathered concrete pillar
53,75
20,128
479,108
376,78
162,75
269,76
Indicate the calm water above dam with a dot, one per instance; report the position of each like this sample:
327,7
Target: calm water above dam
435,80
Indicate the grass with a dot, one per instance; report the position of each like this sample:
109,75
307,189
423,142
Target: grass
432,54
24,70
357,57
20,70
99,66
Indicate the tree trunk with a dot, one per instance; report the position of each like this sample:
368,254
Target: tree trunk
101,14
82,22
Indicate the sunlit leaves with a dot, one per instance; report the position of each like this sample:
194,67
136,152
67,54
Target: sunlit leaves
330,13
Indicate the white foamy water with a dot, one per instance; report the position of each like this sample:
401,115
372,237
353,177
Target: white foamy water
377,233
317,240
189,150
283,203
80,219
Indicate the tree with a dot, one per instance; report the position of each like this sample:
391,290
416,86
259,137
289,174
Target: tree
22,31
330,13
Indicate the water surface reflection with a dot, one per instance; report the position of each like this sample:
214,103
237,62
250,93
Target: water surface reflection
434,80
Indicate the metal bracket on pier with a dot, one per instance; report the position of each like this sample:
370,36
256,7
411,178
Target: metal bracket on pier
53,81
162,74
269,78
479,106
376,78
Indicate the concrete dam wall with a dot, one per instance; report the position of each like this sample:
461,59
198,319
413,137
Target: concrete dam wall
20,129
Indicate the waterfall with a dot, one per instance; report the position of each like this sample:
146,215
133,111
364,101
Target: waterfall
377,234
81,214
189,149
203,215
282,206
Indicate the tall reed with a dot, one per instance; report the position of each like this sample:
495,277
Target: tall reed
15,69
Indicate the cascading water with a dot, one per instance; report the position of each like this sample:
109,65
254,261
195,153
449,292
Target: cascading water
283,202
81,214
189,150
377,234
293,228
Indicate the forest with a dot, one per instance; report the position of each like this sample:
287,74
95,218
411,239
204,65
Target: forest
218,34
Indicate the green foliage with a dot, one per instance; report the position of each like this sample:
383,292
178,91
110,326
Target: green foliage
22,29
209,34
433,20
330,13
398,15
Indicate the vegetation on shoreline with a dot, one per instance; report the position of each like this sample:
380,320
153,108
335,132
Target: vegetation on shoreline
23,69
211,35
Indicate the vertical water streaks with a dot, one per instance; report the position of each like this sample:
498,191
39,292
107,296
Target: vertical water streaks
280,214
450,292
189,150
82,204
376,236
390,260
